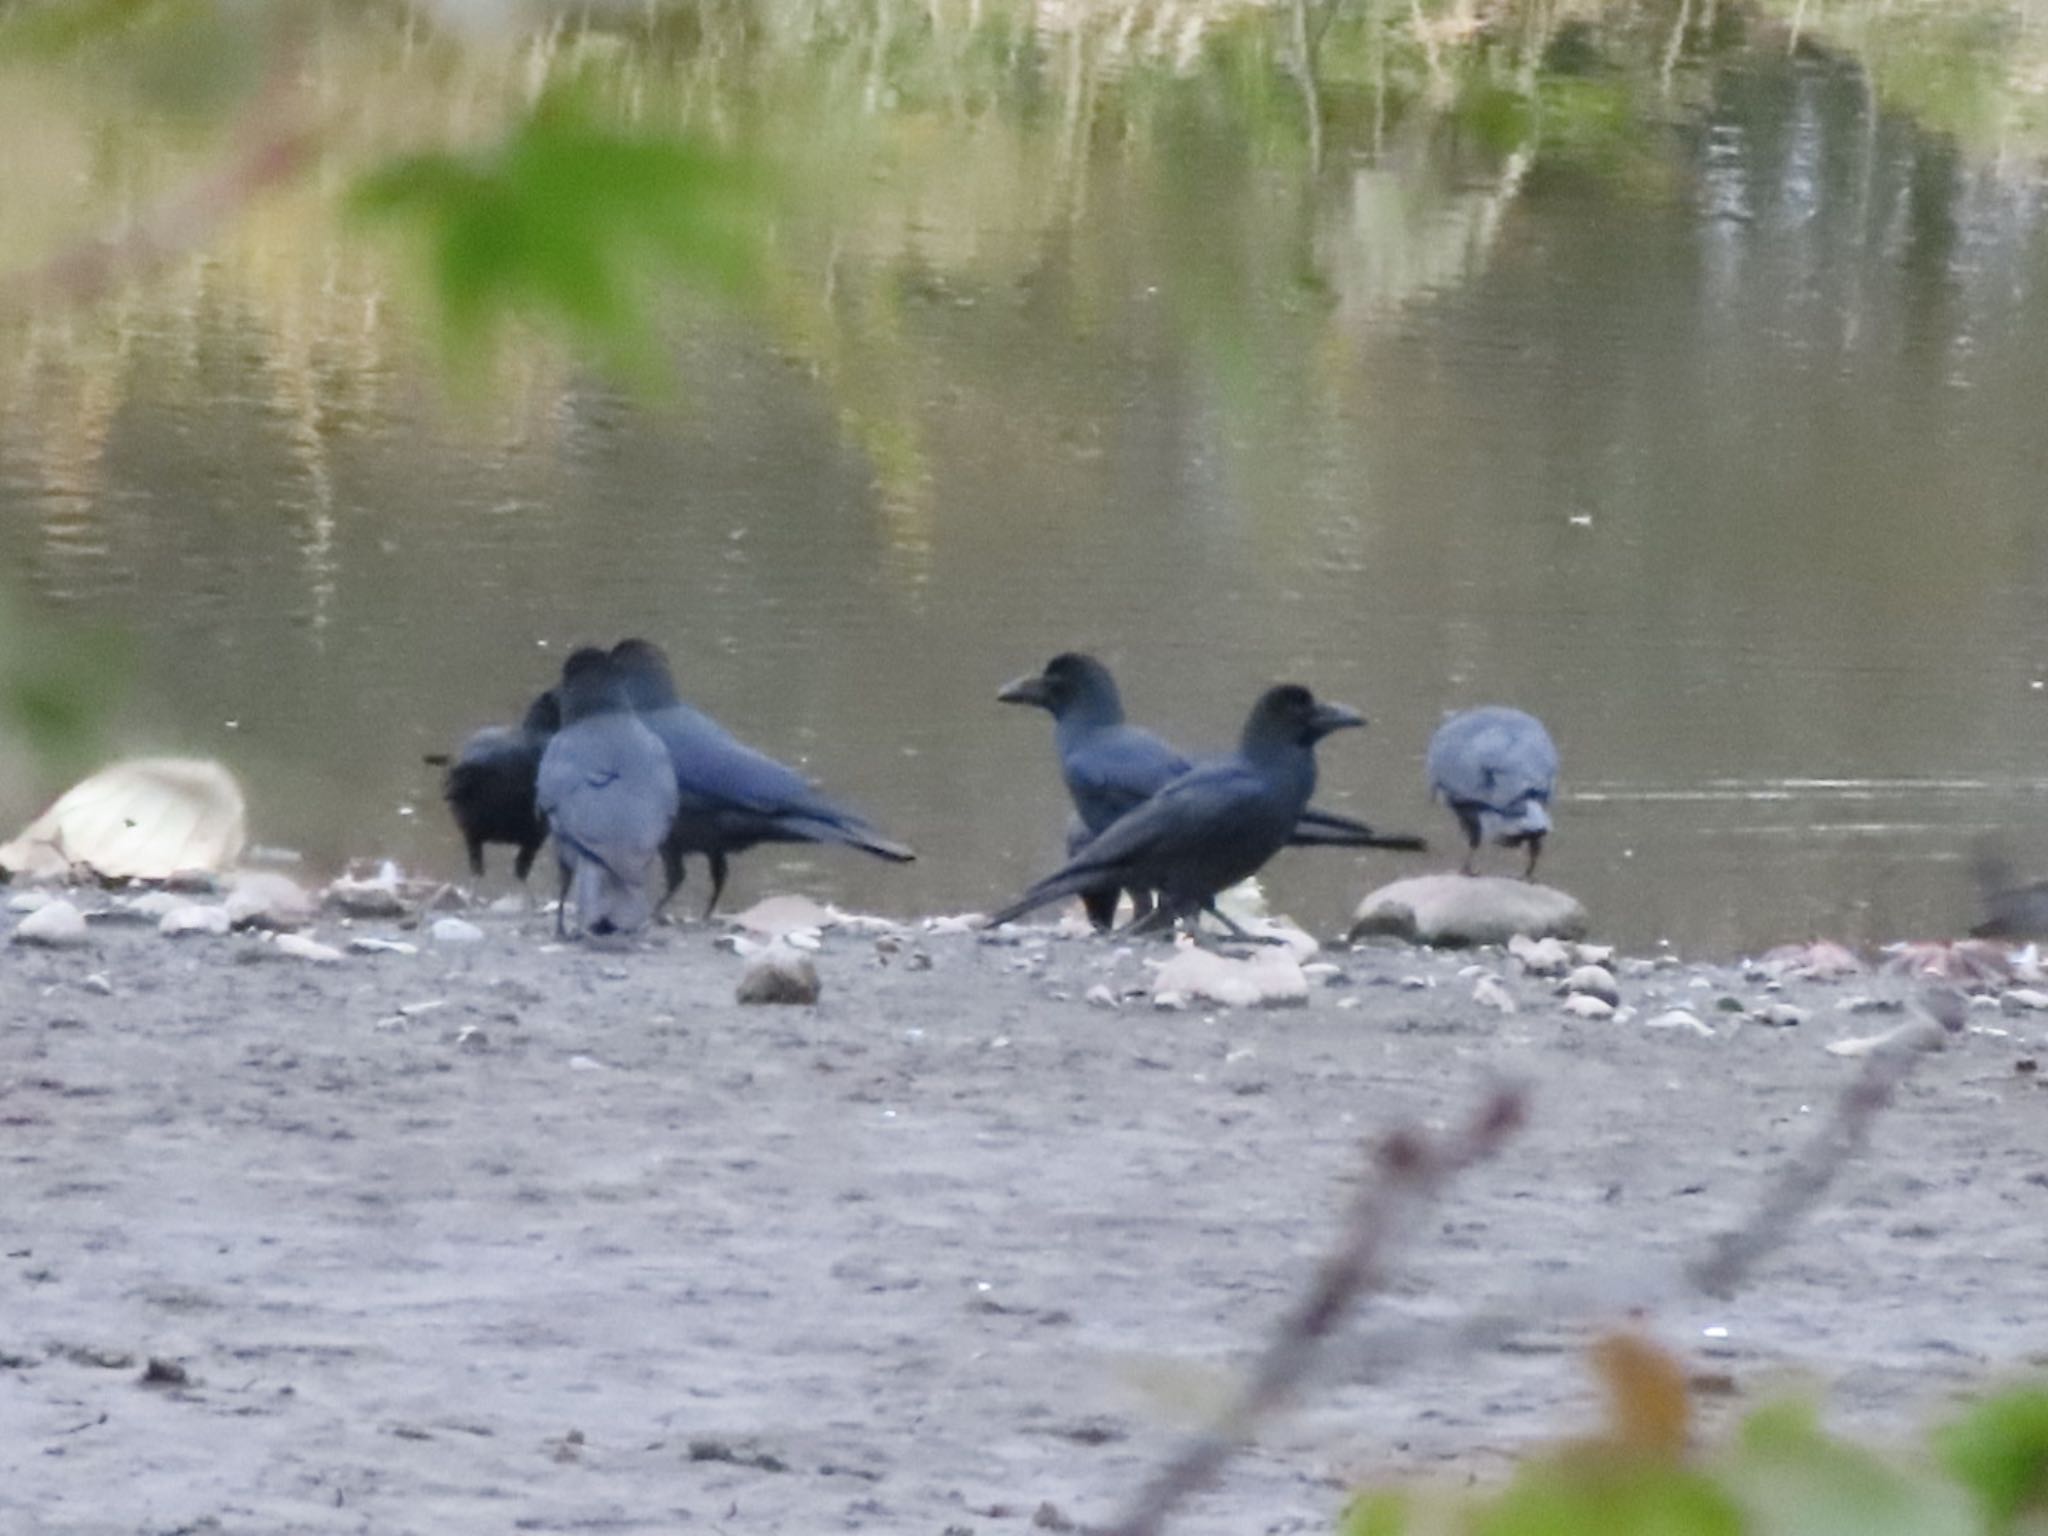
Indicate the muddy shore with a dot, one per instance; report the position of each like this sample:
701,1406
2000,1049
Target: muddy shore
504,1235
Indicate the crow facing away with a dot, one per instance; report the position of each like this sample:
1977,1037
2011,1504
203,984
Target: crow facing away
1110,767
730,797
1209,827
1496,768
490,785
609,797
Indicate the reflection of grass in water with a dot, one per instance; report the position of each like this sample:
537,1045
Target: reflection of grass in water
965,137
1975,69
1082,151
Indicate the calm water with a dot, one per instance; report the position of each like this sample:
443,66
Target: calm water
1720,446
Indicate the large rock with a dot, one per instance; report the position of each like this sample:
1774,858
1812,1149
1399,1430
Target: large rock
146,819
1457,911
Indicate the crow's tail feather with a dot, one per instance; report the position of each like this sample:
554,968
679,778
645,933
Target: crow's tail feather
853,834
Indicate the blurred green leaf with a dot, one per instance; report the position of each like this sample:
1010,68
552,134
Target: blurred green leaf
576,224
1999,1451
58,687
1793,1480
48,28
194,59
1380,1513
1601,1494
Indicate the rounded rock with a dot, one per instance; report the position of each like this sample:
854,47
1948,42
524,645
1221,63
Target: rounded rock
194,917
780,978
1594,981
54,925
1458,911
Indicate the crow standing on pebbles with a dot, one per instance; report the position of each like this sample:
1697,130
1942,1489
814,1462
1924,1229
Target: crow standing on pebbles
609,797
489,786
730,796
1111,767
1211,826
1496,768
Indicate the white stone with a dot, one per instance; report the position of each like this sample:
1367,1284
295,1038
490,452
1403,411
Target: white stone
1303,945
1914,1034
159,903
369,944
263,899
1489,993
1594,981
1268,977
378,895
2023,1000
775,917
1594,954
1678,1018
193,917
455,930
29,901
1457,911
55,925
1099,996
1540,957
1585,1005
299,947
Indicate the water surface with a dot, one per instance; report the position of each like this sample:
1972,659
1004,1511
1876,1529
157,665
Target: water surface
1717,442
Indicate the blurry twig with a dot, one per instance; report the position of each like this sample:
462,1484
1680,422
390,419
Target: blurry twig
273,145
1409,1169
1728,1260
1806,1177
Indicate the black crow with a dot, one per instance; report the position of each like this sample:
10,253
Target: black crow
489,786
1496,768
1211,826
609,796
732,797
1111,766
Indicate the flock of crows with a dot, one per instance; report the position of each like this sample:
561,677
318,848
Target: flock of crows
629,780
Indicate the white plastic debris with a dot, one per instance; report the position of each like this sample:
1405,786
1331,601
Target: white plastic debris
145,819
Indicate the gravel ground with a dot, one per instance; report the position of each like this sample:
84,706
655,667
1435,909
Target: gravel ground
512,1236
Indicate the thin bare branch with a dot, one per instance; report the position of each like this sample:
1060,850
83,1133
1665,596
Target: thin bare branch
1727,1261
274,144
1409,1170
1800,1184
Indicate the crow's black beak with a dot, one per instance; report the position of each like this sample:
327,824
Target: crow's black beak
1333,717
1024,690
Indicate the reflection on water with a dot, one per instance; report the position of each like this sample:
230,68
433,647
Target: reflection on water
1698,412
